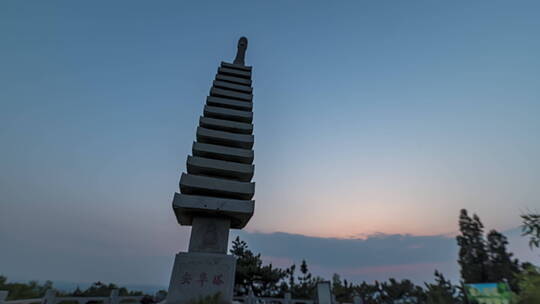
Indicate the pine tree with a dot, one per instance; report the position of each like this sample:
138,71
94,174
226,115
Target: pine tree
250,273
290,274
247,265
501,266
401,292
529,282
473,257
369,293
531,227
442,292
306,287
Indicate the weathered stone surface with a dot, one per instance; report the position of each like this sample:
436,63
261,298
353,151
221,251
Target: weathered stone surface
218,187
232,86
226,125
229,103
230,94
233,79
216,193
198,275
209,136
209,234
213,167
223,153
230,114
188,206
236,66
234,72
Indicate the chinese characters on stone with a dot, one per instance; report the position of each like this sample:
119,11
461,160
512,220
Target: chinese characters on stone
202,279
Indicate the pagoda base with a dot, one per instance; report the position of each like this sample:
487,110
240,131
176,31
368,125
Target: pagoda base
197,276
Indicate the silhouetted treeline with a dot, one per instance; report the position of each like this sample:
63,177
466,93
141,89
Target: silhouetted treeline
269,281
33,289
482,259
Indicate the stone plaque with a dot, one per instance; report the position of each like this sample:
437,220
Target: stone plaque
197,275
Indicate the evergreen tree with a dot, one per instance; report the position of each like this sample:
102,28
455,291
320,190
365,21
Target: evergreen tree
268,280
501,266
250,273
77,292
401,292
339,291
306,288
290,273
247,265
531,227
368,293
442,292
30,290
529,284
473,257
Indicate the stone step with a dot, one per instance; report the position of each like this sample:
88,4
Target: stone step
230,94
209,136
233,79
226,169
223,153
229,114
233,86
236,66
226,125
235,73
229,103
187,206
216,187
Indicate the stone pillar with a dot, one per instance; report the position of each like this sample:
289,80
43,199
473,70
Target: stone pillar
209,235
288,298
324,294
251,299
3,296
50,297
356,298
216,192
113,298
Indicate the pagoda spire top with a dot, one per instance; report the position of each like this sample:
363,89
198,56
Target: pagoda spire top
241,52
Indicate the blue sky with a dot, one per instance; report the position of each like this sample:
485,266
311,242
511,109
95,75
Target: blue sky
371,118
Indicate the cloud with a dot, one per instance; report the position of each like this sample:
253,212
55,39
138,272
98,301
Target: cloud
375,250
374,257
82,243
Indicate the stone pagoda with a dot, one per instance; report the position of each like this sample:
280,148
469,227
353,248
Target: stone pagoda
216,192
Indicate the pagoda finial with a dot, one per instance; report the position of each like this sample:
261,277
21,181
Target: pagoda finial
241,52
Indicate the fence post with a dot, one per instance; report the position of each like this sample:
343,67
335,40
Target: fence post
113,298
288,298
324,293
356,298
251,296
50,297
3,296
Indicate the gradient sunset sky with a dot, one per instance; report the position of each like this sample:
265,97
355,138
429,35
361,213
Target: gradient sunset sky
373,119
